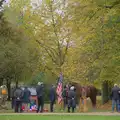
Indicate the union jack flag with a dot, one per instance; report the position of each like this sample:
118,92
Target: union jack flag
59,88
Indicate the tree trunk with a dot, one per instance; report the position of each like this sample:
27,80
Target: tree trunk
9,88
1,81
16,83
110,88
105,92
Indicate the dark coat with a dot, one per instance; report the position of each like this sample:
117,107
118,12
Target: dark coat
18,94
12,92
26,96
71,94
40,90
115,93
52,94
71,98
64,93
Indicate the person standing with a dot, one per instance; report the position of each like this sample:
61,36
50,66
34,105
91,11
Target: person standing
40,96
18,95
65,96
115,97
52,97
71,99
26,98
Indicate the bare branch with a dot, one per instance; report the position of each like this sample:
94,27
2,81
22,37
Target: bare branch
117,2
66,50
49,52
50,69
55,30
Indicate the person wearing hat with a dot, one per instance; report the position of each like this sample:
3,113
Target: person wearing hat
40,96
115,97
71,99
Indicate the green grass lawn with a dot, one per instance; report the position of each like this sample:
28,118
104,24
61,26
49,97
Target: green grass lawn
37,117
47,106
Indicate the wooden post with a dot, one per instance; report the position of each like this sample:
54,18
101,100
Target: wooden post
85,105
81,105
59,105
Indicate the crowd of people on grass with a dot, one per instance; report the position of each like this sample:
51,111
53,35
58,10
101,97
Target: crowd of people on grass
21,98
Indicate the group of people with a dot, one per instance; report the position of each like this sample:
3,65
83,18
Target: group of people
68,97
22,97
115,96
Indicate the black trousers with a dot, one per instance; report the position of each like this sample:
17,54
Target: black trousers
13,103
65,102
18,106
40,104
71,104
73,109
52,105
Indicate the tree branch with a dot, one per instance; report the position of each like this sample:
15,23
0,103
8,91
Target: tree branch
49,52
50,69
55,31
66,50
111,6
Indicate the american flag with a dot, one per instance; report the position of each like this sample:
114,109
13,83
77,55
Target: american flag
59,88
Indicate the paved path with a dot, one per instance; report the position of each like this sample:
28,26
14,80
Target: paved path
93,113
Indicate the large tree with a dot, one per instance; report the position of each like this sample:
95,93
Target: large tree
48,25
19,57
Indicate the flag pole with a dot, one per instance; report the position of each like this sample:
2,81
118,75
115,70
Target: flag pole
59,91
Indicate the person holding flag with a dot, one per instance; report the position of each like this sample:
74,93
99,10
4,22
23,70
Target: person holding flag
59,89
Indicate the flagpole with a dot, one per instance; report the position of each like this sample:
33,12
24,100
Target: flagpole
59,91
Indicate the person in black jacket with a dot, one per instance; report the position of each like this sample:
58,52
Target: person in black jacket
52,97
40,96
26,98
115,97
18,95
71,99
65,96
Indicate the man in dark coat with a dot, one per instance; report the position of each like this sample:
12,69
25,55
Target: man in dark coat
18,95
71,99
26,98
115,97
52,97
40,96
65,96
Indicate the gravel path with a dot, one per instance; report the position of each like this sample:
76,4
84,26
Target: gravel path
93,113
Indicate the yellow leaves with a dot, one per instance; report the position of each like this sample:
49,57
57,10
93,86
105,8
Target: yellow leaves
48,1
79,22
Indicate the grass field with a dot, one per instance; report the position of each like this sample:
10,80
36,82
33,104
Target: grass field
37,117
100,107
